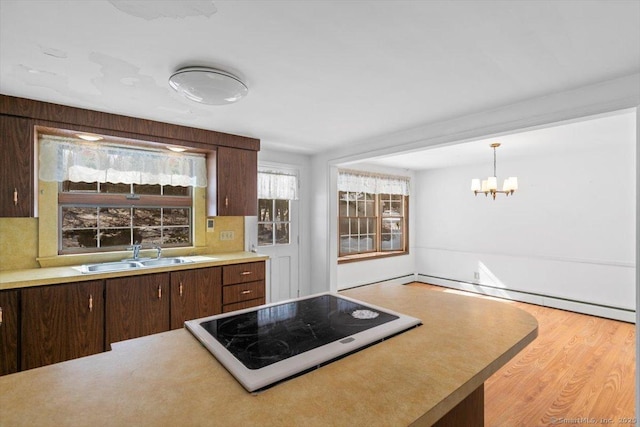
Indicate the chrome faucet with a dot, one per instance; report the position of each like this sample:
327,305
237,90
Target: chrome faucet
159,250
136,250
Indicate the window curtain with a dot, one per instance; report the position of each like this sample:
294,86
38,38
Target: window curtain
363,182
277,185
63,159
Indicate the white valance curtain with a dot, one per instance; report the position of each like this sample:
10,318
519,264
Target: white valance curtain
63,159
277,185
364,182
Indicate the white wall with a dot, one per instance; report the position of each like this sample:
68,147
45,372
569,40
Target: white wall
568,233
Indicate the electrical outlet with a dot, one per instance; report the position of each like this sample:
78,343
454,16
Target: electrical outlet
476,275
227,235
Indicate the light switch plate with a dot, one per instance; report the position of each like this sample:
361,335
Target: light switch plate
210,224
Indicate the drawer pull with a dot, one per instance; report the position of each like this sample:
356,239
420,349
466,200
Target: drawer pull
245,273
15,196
245,292
90,303
0,316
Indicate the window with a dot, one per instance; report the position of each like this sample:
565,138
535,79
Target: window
105,216
111,196
273,222
373,215
276,189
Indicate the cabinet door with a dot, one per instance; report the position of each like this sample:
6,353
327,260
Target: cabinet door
16,167
61,322
237,186
8,332
136,306
195,294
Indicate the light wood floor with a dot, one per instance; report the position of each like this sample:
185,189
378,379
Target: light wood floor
579,370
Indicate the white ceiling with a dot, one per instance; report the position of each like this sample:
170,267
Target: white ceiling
320,73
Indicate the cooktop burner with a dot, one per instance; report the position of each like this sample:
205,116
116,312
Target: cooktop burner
266,344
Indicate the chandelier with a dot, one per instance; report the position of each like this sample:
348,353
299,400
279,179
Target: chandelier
490,185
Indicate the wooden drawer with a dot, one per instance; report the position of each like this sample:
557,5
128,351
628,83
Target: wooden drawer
242,273
242,292
243,304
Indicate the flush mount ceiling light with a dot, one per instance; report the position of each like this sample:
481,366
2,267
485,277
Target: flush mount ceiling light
490,185
208,85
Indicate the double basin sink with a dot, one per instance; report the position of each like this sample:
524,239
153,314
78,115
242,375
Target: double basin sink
131,264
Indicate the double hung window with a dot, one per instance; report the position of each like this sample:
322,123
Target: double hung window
373,215
111,196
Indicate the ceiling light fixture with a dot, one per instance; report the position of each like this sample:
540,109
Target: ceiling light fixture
490,185
208,85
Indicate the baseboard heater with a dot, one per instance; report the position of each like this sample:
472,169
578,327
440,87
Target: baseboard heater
616,313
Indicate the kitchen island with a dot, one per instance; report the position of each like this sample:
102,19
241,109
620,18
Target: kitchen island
416,378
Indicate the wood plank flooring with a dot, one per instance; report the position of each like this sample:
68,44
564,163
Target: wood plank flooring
579,371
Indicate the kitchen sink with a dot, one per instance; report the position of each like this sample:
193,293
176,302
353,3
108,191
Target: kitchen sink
164,261
111,266
132,265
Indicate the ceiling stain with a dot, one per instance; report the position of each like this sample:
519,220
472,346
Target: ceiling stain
150,10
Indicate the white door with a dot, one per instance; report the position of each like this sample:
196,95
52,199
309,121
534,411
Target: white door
275,233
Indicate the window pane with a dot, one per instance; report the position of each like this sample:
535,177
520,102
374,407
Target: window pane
146,217
176,216
147,235
146,189
282,234
115,188
174,190
73,217
115,217
84,187
343,227
265,234
265,210
282,210
80,238
178,236
115,237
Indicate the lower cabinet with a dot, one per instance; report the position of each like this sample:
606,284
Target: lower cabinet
9,355
136,306
243,286
195,294
49,324
61,322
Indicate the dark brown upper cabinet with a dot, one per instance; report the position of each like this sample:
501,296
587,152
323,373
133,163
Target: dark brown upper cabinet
237,182
16,167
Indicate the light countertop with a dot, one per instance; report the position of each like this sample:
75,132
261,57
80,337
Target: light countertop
12,279
170,379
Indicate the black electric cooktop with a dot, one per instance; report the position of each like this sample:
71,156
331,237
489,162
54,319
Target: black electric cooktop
264,345
268,335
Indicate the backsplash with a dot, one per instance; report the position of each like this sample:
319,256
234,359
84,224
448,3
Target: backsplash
19,240
18,243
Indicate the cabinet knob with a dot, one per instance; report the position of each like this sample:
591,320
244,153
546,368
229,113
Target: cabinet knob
180,288
159,292
90,303
226,202
15,196
0,316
